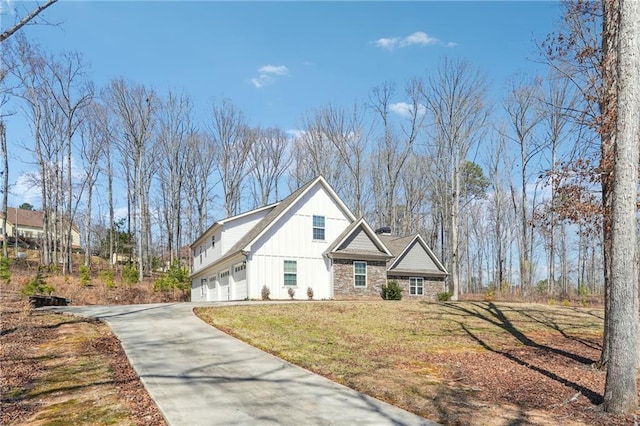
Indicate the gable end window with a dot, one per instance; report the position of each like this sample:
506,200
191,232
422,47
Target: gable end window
290,272
318,228
360,274
416,286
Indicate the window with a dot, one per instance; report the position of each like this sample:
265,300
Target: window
239,268
416,286
360,274
318,228
203,287
290,272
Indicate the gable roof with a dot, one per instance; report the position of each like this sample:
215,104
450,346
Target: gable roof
221,222
338,248
21,217
29,218
278,211
401,246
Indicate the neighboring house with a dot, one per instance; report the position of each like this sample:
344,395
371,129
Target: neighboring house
308,240
29,226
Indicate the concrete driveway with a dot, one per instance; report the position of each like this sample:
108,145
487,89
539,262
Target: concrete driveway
199,375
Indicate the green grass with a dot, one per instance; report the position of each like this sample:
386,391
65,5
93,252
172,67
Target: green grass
388,349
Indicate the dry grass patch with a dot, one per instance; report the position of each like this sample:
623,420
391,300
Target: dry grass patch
457,363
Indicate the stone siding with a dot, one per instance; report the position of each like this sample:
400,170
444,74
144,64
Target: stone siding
343,287
432,286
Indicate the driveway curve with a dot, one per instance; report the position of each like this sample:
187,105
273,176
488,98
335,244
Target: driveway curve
198,375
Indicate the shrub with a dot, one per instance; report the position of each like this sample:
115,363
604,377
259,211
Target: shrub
291,292
130,274
489,294
37,285
177,277
310,293
566,303
552,302
85,277
265,292
107,278
5,269
391,291
444,296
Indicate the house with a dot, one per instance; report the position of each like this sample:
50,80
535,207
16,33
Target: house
29,226
308,240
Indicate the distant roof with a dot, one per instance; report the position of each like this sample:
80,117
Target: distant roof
30,218
21,217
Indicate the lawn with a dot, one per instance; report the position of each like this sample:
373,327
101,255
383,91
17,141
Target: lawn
456,363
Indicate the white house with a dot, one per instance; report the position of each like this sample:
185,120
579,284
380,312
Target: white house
308,240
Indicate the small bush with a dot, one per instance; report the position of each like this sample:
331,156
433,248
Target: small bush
5,269
391,291
107,277
489,294
552,302
130,274
444,296
310,293
265,292
177,277
291,292
37,285
566,303
85,276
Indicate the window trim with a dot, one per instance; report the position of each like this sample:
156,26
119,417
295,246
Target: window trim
416,287
356,274
289,273
318,227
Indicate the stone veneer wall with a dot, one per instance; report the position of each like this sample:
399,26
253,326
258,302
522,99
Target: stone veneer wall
432,286
343,287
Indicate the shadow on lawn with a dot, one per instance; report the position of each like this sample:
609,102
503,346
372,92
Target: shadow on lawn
496,317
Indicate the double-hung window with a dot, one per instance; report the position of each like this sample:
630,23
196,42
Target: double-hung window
360,274
416,286
290,272
318,228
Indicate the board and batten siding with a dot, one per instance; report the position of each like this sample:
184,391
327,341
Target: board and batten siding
226,237
291,238
416,258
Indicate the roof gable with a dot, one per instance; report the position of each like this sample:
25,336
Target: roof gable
358,240
280,210
413,255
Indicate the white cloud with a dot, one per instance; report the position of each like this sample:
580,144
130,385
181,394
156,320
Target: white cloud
419,38
26,189
267,75
273,69
295,133
404,109
452,44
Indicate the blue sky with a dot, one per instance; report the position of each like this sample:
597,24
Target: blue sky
276,60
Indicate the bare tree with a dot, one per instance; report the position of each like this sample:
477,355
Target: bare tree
524,116
455,96
134,106
232,138
394,144
270,158
200,182
71,90
621,395
25,20
175,128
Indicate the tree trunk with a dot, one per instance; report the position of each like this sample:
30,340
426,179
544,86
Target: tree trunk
620,394
5,188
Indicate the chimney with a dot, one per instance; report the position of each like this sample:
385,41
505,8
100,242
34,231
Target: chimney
385,230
